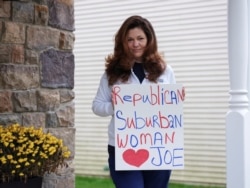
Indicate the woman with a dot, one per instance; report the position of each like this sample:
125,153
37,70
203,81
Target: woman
135,60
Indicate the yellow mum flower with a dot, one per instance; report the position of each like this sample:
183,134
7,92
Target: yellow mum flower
9,157
12,145
52,150
20,160
13,162
3,159
66,154
31,145
43,155
6,144
20,149
18,166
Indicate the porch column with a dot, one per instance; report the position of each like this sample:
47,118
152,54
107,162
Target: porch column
248,79
238,116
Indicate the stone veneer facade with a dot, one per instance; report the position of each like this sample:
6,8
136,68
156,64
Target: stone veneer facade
37,72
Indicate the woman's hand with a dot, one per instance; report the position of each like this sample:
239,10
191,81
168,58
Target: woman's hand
112,98
183,93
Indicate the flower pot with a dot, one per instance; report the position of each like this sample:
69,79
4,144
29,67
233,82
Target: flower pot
35,182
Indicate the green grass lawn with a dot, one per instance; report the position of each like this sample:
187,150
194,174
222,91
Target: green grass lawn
87,182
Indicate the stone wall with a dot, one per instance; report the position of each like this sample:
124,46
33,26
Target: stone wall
37,71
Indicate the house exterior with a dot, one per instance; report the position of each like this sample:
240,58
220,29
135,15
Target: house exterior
193,36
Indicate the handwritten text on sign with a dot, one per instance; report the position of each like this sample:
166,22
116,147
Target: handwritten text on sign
148,126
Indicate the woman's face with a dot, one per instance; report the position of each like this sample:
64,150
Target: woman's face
137,42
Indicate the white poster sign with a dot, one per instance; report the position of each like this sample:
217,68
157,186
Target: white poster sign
148,126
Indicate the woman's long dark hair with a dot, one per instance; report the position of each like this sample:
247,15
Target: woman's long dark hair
118,65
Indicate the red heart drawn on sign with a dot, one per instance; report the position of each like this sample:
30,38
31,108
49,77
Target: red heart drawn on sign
135,158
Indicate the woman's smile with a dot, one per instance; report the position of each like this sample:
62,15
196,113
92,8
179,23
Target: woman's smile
137,42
